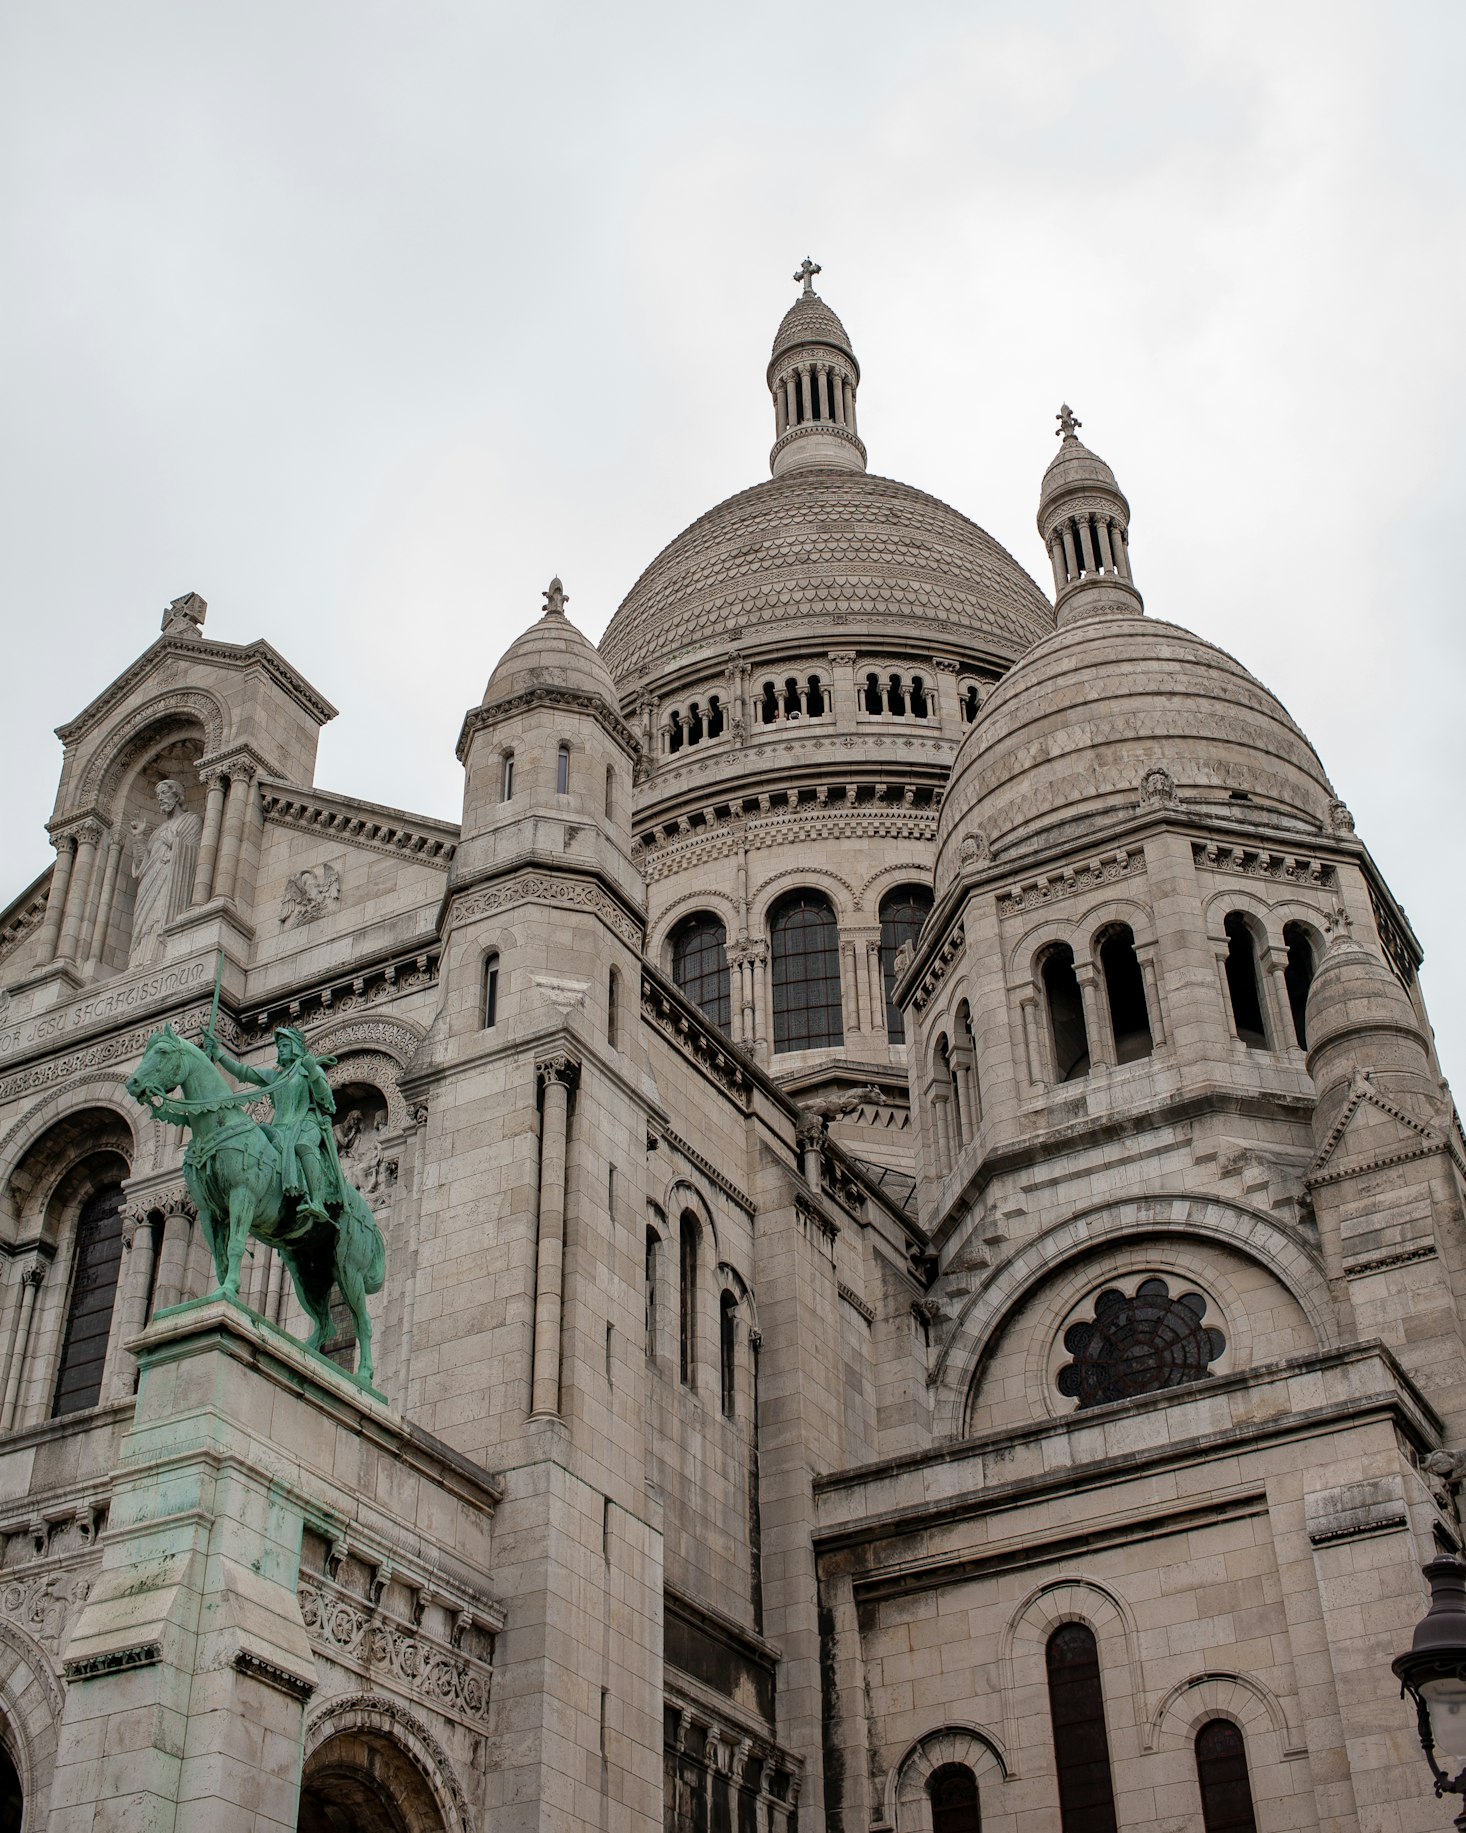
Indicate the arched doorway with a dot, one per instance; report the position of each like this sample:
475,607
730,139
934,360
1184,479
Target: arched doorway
360,1781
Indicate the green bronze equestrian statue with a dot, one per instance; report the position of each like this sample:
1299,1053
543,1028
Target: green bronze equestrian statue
281,1183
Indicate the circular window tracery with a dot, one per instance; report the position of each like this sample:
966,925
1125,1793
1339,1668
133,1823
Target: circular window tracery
1138,1345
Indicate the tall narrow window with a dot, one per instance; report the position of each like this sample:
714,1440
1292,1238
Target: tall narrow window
768,706
715,717
687,1302
872,696
918,697
491,991
969,703
653,1274
805,958
1067,1030
895,695
1125,990
610,791
1221,1772
700,965
903,911
727,1351
96,1263
613,1009
1298,977
952,1791
814,698
506,778
562,772
1081,1748
1242,987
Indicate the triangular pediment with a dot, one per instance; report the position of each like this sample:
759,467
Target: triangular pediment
1372,1132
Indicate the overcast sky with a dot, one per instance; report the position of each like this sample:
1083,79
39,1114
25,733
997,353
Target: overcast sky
363,319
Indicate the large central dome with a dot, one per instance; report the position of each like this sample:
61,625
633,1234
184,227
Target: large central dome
830,548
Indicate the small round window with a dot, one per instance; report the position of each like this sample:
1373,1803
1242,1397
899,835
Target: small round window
1138,1345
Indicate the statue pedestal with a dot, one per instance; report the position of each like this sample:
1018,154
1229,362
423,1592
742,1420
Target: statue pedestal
190,1668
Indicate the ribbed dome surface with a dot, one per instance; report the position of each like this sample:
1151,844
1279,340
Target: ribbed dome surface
1074,467
551,653
826,547
1067,736
810,321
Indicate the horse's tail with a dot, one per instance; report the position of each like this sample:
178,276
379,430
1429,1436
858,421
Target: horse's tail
364,1242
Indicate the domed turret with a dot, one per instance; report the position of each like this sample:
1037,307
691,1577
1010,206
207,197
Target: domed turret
1085,521
813,376
551,653
1360,1020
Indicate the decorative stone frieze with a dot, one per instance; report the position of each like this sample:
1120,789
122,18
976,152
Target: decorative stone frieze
550,888
1070,881
359,824
393,1653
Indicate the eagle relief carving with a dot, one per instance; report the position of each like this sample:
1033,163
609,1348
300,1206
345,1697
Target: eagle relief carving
309,893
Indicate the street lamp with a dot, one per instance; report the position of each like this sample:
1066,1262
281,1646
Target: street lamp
1434,1675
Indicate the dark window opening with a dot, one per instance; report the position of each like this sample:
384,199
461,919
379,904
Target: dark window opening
1298,978
873,700
700,965
1081,1747
1242,984
918,698
903,911
805,955
814,701
768,706
491,991
1125,989
506,781
715,717
1221,1772
969,702
952,1792
895,696
674,733
96,1263
562,772
613,1009
1067,1029
791,698
653,1269
1138,1345
687,1303
610,792
694,724
727,1351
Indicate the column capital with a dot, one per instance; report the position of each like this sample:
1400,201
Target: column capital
33,1273
562,1067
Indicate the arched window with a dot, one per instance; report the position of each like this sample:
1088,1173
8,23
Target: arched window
700,965
1125,990
694,724
872,697
687,1301
1221,1772
653,1275
969,702
895,695
674,732
1066,1014
728,1351
1081,1748
952,1791
805,955
768,706
506,777
814,699
715,717
1242,986
903,911
96,1263
562,772
491,991
610,791
791,698
613,1009
918,697
1298,977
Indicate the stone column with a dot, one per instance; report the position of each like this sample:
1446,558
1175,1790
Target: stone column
763,1028
1119,542
875,982
781,411
1145,955
837,390
130,1314
87,837
56,896
1086,548
203,876
1096,1017
1056,554
555,1076
20,1338
1071,562
1102,536
235,811
850,986
1033,1047
104,904
810,1135
850,413
804,394
1272,963
791,410
172,1259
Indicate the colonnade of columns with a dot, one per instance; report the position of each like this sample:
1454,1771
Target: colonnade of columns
812,392
1087,544
93,863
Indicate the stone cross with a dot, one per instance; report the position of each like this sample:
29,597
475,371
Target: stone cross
1068,424
807,271
185,616
556,598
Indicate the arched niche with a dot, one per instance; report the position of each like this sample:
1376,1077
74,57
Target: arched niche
371,1766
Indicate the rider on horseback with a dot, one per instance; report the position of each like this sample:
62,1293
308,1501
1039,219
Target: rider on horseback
303,1104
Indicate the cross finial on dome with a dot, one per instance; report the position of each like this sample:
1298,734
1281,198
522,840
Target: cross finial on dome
556,598
806,272
1069,423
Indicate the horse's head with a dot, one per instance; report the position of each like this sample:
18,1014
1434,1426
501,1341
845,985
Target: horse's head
162,1069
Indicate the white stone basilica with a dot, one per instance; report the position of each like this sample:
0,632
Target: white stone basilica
926,1252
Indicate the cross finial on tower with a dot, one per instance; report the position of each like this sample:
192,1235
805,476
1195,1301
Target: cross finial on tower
1068,423
806,272
556,598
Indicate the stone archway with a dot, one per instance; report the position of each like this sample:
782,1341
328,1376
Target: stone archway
359,1781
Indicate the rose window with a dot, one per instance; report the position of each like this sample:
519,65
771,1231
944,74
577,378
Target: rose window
1138,1345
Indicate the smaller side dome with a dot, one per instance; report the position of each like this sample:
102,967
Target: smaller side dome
813,377
551,653
1084,519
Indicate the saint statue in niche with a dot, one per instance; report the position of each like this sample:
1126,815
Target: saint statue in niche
162,863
